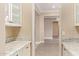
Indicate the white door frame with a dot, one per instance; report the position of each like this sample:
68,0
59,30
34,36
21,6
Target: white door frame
33,29
34,8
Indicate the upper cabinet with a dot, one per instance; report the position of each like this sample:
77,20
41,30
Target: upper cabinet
76,14
13,14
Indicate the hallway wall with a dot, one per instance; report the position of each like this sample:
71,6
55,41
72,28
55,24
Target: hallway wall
41,18
48,29
37,27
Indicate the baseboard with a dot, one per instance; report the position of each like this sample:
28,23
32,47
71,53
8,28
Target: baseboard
39,42
48,38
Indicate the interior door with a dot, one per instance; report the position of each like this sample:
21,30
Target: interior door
55,30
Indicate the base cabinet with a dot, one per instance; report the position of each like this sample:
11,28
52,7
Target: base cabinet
20,52
25,51
66,53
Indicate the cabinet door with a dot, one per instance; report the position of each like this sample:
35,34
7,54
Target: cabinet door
66,52
16,13
20,52
13,13
26,50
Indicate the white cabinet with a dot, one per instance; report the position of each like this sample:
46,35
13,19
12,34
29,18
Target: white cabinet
20,52
13,14
66,52
76,14
25,51
18,48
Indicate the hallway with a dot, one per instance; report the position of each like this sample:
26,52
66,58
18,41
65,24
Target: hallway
48,48
47,28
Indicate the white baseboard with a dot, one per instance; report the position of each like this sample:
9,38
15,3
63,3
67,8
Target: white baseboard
48,38
39,42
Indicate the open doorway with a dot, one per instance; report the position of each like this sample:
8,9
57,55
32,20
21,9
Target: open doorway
55,30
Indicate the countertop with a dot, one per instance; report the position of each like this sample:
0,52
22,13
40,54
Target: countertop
12,47
72,47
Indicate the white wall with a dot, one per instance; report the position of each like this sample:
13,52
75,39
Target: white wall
67,21
48,29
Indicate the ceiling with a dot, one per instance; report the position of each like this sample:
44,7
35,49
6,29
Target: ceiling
43,7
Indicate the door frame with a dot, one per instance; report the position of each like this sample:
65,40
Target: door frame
34,9
33,29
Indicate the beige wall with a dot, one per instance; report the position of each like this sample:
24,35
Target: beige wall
2,24
41,18
67,19
24,32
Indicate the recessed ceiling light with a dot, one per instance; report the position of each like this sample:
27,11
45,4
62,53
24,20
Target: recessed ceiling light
53,6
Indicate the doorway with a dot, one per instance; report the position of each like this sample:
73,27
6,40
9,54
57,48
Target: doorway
55,29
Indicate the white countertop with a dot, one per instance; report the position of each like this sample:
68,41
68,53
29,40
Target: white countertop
72,47
12,47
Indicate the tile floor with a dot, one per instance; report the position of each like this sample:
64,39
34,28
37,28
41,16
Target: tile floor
48,48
